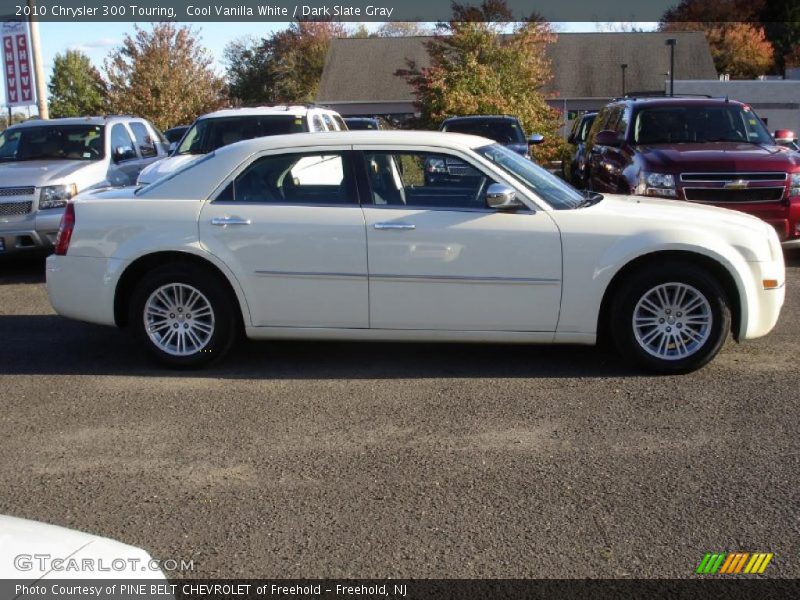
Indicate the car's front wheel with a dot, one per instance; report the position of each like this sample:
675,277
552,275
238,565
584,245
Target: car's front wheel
671,319
183,315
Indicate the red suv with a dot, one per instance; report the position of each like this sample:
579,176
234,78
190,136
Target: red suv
709,150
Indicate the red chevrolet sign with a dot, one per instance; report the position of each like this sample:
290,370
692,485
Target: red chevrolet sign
17,67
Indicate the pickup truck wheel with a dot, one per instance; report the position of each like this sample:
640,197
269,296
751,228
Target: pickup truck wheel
671,319
183,316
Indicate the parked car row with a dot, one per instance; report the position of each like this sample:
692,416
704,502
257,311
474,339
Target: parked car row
705,150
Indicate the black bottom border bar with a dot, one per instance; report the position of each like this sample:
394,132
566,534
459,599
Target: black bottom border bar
399,589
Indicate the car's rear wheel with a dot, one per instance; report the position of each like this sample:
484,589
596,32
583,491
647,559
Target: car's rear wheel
183,316
671,319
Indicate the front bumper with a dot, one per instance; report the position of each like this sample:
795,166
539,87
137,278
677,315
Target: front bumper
34,232
763,306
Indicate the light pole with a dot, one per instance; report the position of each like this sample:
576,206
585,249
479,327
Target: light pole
623,66
38,71
671,42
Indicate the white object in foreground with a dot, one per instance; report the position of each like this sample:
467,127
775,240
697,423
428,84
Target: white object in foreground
409,236
31,551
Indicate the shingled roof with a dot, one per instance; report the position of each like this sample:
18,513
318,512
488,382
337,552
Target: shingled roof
584,65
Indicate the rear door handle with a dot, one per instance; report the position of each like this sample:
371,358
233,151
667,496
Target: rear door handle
394,226
223,221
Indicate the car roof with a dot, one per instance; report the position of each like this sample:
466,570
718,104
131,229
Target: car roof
77,121
677,101
291,110
344,138
481,118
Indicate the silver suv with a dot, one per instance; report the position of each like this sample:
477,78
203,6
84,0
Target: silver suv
44,163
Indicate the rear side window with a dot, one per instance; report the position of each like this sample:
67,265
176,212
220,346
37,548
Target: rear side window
147,145
309,178
328,122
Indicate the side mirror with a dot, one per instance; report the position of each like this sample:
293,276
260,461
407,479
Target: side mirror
536,138
123,153
607,138
502,197
785,134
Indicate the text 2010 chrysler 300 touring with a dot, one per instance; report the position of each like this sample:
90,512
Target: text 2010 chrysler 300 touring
345,236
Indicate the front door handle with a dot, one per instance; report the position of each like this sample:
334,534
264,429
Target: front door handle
223,221
395,226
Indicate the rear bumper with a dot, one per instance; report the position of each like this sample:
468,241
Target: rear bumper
83,287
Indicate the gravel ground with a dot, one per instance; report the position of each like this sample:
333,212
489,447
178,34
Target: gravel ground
400,460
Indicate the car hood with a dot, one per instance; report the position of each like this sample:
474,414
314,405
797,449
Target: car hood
40,172
21,539
718,157
679,213
163,167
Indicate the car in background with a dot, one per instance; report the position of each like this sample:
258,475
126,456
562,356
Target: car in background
503,129
174,134
366,123
787,138
705,150
231,125
31,551
44,163
573,168
271,237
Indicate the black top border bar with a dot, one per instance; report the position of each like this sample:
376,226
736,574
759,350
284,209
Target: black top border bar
336,10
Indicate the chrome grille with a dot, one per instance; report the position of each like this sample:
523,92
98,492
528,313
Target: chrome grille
740,187
8,209
730,177
756,194
17,191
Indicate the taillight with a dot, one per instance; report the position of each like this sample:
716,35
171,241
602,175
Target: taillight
65,230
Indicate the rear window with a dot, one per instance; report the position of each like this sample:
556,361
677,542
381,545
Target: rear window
502,132
209,134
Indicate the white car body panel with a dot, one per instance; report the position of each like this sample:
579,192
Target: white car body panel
29,550
538,275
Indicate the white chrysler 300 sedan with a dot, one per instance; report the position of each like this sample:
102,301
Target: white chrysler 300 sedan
409,236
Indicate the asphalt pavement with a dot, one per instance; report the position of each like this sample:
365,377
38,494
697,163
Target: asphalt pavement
308,459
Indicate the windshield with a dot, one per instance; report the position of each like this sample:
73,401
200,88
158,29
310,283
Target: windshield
209,134
503,132
699,125
53,142
550,188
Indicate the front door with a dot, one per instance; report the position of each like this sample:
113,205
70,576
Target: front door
291,228
439,259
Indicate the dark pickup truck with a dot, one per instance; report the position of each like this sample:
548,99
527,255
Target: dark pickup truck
708,150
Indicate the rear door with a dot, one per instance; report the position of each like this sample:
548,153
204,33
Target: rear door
291,228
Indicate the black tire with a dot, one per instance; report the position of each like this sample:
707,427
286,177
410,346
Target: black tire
712,336
224,322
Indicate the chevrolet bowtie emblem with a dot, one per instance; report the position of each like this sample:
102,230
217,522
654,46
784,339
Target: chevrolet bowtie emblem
739,184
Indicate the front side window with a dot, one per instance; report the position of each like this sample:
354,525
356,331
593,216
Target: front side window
314,178
425,180
53,142
207,135
121,143
147,145
553,190
699,125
